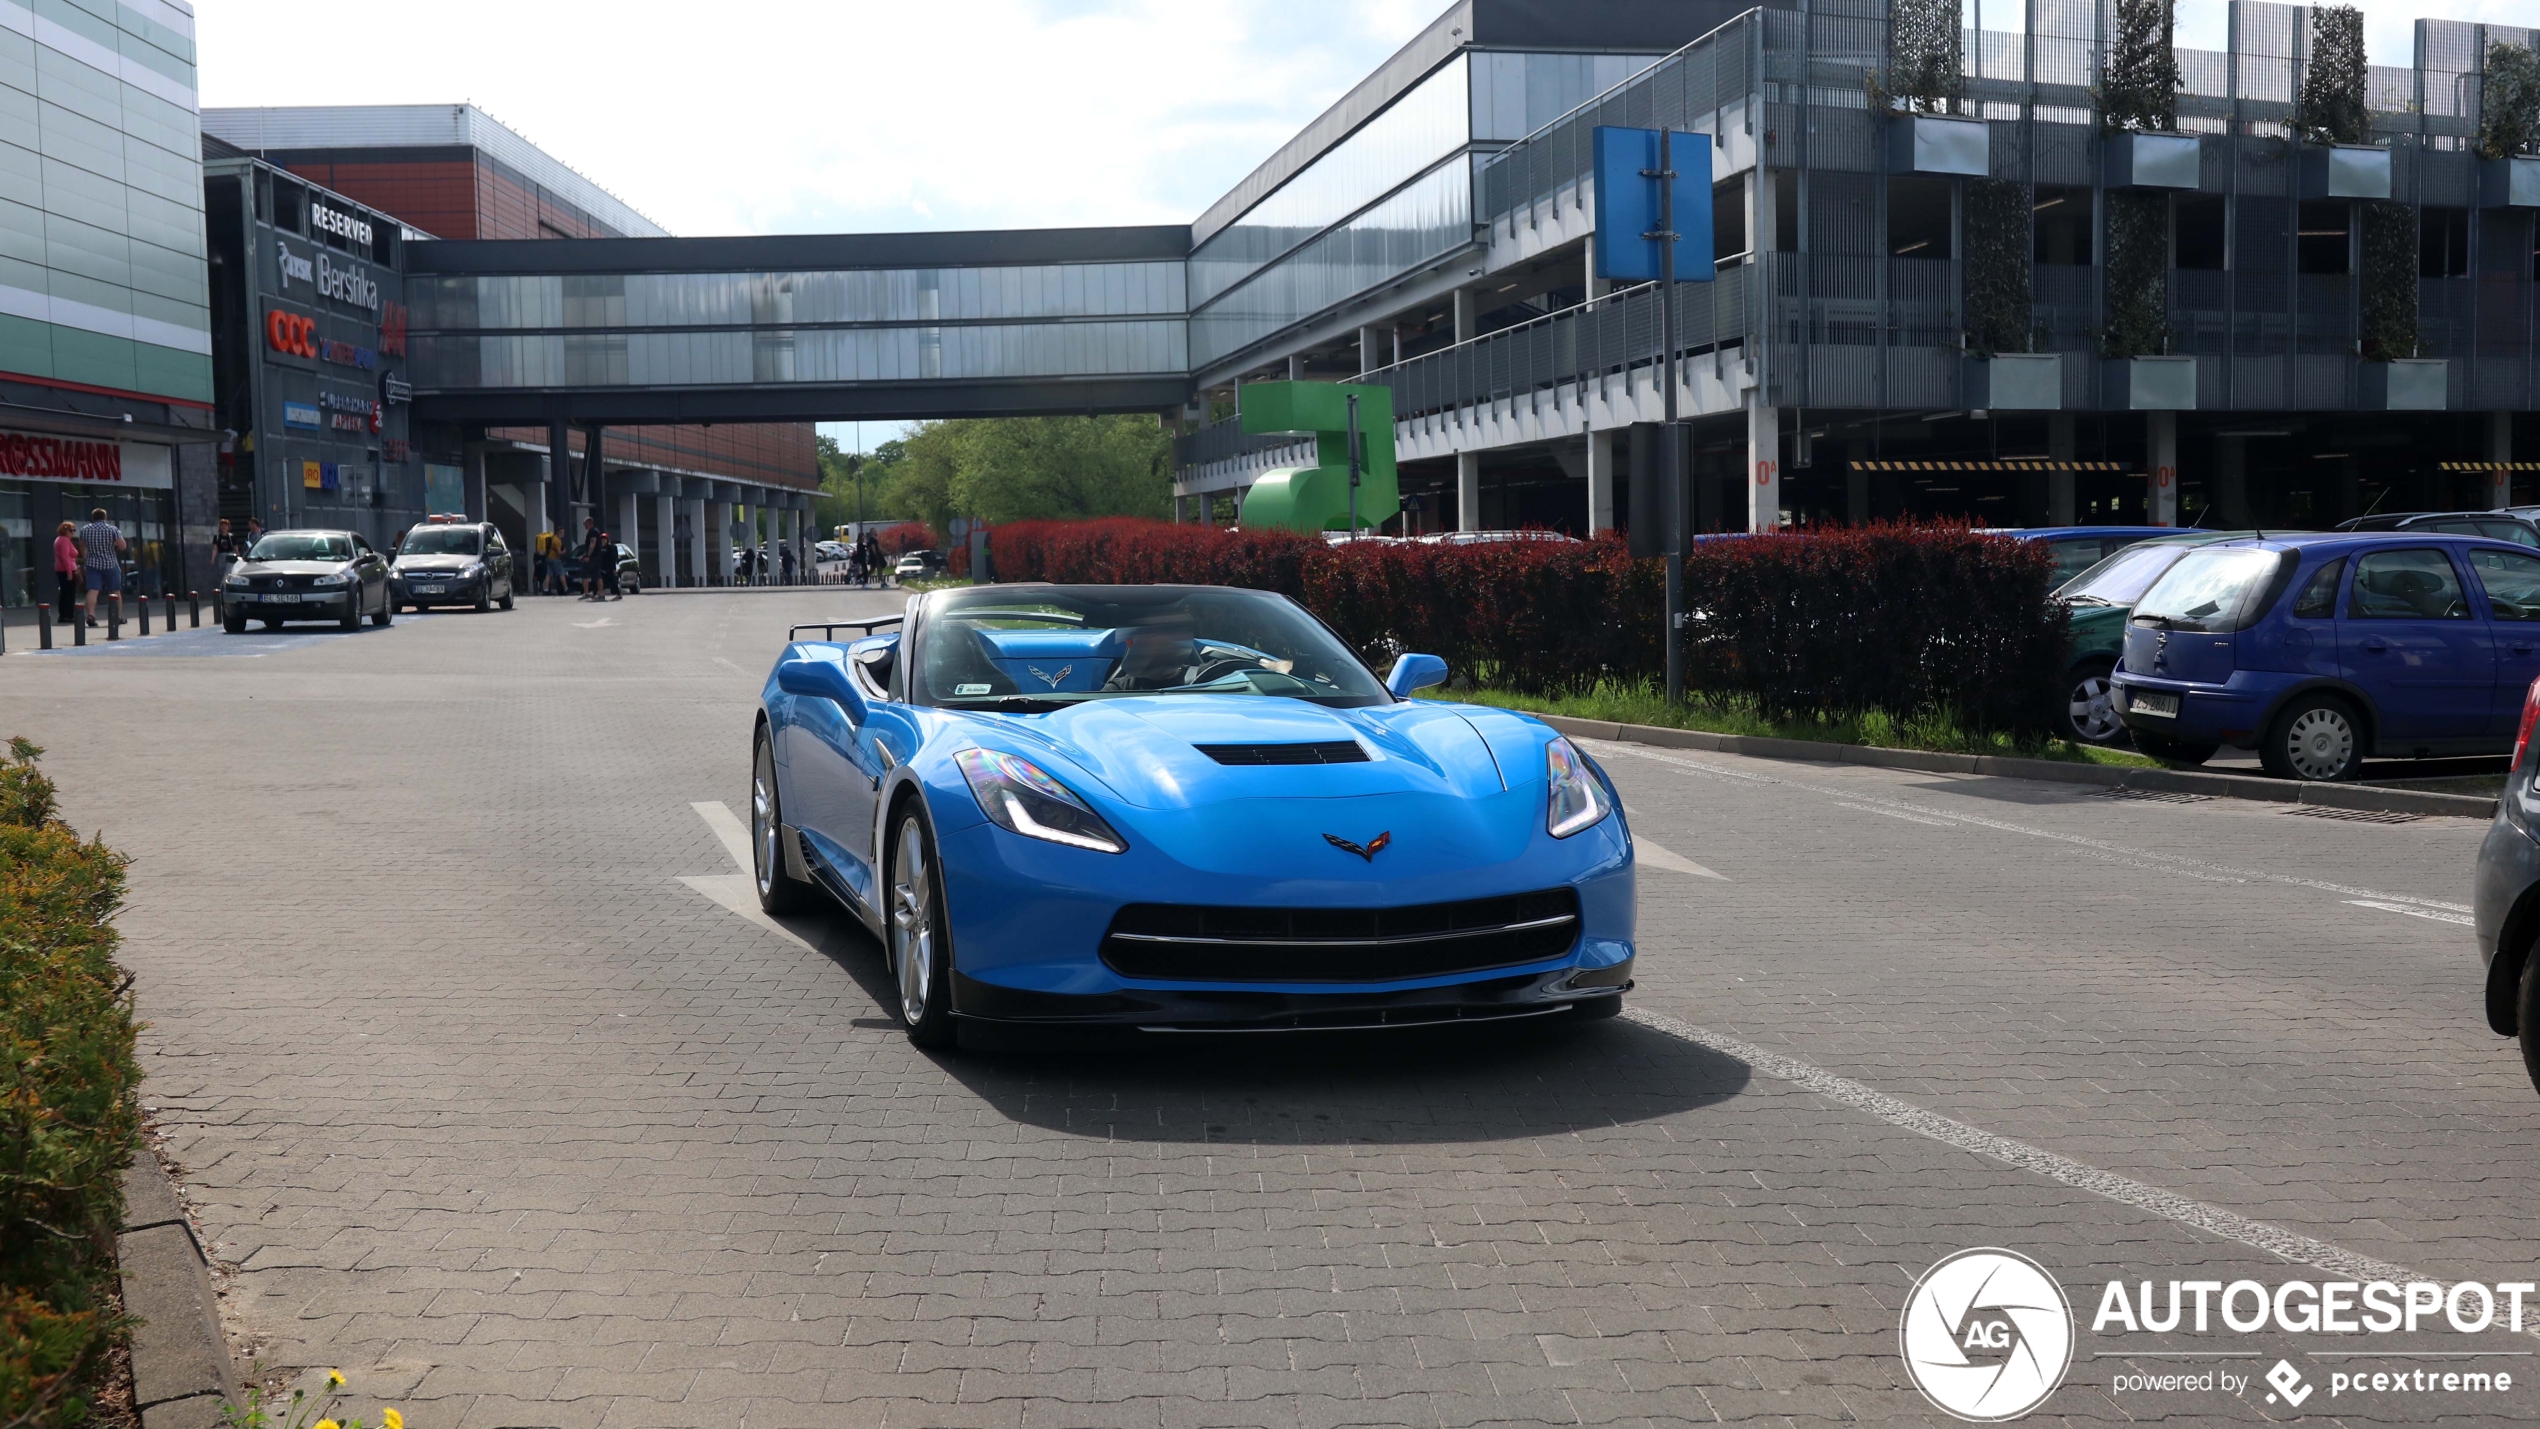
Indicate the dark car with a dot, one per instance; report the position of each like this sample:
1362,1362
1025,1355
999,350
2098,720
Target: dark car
445,562
308,575
2321,649
2098,601
2507,898
919,565
2511,526
2078,548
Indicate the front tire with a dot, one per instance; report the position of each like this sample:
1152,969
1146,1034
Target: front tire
779,892
352,619
919,941
485,596
386,614
2173,751
2316,739
2089,715
508,593
235,623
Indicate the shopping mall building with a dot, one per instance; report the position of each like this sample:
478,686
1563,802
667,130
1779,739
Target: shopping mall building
1983,303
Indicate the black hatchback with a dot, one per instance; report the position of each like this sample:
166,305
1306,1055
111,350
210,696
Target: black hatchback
443,562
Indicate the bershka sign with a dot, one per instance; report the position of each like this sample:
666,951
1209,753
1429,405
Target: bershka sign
342,225
50,458
346,285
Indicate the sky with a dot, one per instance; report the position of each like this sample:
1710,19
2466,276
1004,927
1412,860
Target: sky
848,116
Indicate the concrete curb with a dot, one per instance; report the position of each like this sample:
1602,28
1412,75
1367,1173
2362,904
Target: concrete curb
2169,781
181,1370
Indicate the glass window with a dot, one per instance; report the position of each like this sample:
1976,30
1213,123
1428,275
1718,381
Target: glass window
992,648
2406,585
2513,531
2121,579
2213,590
2512,582
302,546
1426,219
441,541
2318,600
17,546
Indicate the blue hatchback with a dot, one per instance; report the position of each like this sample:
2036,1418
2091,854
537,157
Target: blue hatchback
2320,649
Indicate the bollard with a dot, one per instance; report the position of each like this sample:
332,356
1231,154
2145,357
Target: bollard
114,616
44,627
194,609
144,603
79,628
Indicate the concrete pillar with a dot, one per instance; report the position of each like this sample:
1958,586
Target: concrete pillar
2160,476
1763,463
1296,367
1371,352
696,541
1600,482
2500,450
559,492
719,541
472,463
665,545
2059,482
2231,483
1761,200
1596,287
628,533
745,526
1468,315
1856,494
1468,491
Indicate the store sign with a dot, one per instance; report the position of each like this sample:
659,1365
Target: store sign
396,388
320,476
392,329
348,354
291,333
50,458
301,415
293,265
394,448
342,225
346,285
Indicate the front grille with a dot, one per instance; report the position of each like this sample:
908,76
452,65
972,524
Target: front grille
287,583
1338,751
1197,944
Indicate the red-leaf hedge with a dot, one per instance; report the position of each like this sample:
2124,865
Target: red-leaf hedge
1907,620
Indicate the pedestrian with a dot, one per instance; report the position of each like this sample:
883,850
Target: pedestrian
101,549
594,547
550,563
786,553
66,571
749,562
255,533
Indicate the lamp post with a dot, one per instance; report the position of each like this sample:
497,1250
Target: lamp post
1671,435
1353,466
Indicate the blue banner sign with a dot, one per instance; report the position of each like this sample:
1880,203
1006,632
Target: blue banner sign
300,414
1627,204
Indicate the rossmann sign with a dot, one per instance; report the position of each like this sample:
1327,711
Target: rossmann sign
45,458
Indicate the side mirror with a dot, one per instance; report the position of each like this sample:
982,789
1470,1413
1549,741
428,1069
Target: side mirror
1415,672
822,680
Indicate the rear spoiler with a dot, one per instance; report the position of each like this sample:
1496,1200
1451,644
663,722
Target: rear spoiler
828,629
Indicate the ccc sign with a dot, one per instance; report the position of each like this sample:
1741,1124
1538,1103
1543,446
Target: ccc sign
291,333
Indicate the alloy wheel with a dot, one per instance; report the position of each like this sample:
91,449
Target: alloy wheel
2092,707
912,923
2319,743
763,819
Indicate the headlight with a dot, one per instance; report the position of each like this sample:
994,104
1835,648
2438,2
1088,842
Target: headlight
238,582
1577,801
1016,796
472,571
339,578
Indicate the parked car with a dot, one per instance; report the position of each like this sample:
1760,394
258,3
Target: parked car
449,562
308,575
2495,525
2078,548
2320,649
919,565
1478,538
630,571
2506,898
2098,602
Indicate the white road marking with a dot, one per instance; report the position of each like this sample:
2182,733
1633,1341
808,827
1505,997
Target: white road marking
2166,861
2436,914
727,826
593,624
2186,1211
1649,853
1941,823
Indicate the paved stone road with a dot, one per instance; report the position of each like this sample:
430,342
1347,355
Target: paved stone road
502,1111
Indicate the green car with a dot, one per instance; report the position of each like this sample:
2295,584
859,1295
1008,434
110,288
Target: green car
2100,599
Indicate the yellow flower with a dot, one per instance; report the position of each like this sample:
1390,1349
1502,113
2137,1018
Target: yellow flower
335,1379
390,1418
326,1424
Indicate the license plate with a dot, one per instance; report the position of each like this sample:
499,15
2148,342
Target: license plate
2151,702
281,599
436,588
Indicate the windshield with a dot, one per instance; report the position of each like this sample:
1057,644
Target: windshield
1007,647
2122,578
442,541
302,546
2213,590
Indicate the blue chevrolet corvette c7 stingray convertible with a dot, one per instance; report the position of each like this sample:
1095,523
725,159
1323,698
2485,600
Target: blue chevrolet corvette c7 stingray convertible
1181,809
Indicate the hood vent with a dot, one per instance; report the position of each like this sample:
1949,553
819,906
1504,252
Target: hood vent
1338,751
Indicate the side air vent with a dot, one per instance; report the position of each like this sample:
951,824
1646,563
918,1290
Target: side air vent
1338,751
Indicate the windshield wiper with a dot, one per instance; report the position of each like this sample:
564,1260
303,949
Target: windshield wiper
2088,600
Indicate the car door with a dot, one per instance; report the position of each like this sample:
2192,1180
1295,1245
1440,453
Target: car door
498,564
2414,646
2511,583
831,776
372,572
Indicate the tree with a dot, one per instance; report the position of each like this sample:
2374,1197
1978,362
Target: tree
1926,58
1028,468
2332,101
1999,275
2138,88
2509,102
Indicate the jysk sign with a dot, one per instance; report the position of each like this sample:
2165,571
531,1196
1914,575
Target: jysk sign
1627,204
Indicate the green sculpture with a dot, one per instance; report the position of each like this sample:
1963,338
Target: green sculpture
1317,498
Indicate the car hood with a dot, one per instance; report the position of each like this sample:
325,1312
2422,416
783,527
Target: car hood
1144,752
436,562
